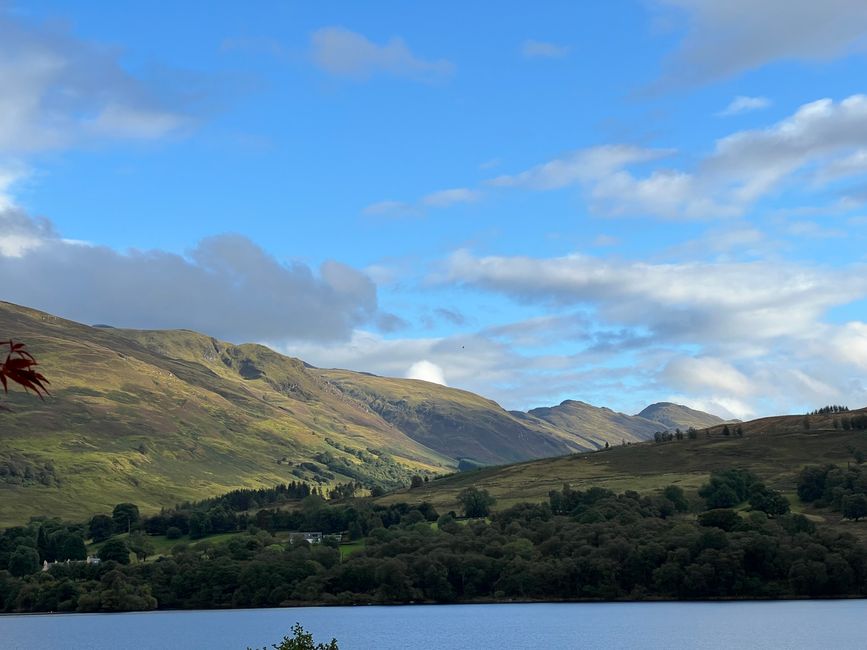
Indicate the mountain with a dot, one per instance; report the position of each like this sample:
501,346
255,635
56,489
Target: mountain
158,417
455,422
601,424
676,416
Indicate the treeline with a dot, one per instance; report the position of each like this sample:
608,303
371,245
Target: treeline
692,433
851,423
677,434
231,512
591,544
830,410
250,499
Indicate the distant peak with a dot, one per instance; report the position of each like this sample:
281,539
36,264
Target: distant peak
575,402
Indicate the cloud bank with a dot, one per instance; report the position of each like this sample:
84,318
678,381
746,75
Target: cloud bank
724,39
226,286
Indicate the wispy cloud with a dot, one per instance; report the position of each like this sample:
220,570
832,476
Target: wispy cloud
435,200
59,90
390,208
345,53
742,104
532,49
445,198
824,136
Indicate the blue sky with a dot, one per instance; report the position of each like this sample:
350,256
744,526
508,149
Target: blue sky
619,202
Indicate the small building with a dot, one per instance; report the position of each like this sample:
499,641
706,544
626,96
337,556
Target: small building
309,537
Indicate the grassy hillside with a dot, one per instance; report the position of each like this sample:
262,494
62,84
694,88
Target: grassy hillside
156,418
774,448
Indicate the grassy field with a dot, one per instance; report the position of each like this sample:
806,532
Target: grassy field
349,548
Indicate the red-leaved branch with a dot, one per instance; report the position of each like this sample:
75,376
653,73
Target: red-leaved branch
20,368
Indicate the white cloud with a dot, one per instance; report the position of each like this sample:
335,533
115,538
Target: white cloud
696,374
854,164
742,104
10,175
59,90
736,338
727,38
707,300
849,344
743,167
541,50
585,165
226,286
345,53
426,371
727,408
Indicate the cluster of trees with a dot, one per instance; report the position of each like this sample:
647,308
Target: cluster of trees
223,514
23,549
250,499
692,433
301,640
677,434
733,487
844,490
476,502
737,431
591,544
376,468
831,409
852,423
18,469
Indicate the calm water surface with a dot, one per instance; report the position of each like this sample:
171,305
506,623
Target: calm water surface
793,624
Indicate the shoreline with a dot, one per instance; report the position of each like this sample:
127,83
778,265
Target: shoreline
643,601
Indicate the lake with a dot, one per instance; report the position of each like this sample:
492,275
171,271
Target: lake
789,624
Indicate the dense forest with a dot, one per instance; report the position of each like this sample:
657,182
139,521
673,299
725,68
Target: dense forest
735,539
